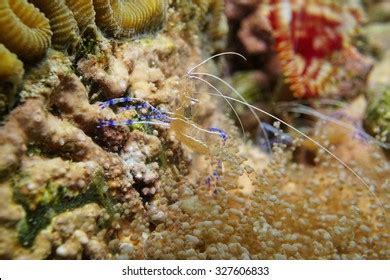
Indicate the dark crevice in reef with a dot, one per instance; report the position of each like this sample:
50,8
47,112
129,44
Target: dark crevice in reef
39,218
305,156
139,187
152,227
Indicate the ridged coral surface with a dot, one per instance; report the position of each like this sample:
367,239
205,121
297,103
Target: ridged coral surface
125,18
24,30
11,76
10,65
62,22
83,11
27,30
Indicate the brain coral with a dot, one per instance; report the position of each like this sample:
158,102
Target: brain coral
11,75
125,18
31,30
62,22
83,12
24,29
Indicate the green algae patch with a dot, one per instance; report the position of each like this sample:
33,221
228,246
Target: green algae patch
378,114
54,203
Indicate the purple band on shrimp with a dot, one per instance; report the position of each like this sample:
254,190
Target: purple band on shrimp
224,136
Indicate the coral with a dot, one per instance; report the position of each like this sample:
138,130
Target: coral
67,21
375,34
378,114
236,10
52,133
32,184
277,42
378,10
24,29
77,231
11,77
40,80
83,11
378,95
62,22
216,26
251,35
217,29
126,18
137,151
185,185
111,75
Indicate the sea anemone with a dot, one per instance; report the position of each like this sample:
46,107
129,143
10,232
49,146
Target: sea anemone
310,39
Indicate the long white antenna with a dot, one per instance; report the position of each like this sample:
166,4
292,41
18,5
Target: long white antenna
189,72
228,102
242,98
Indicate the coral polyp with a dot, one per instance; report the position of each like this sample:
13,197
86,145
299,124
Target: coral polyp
126,18
24,30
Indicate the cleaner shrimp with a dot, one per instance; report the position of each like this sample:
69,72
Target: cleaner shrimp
140,112
184,127
240,100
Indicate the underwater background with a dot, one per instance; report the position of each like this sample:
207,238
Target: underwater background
194,129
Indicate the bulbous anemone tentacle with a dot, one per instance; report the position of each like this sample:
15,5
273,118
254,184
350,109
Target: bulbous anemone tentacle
83,12
11,76
24,30
129,17
62,22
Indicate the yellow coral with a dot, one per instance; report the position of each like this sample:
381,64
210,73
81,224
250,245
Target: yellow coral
23,29
62,22
11,75
125,18
83,12
10,65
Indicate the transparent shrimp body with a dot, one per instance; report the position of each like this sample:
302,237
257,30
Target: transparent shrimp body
136,111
